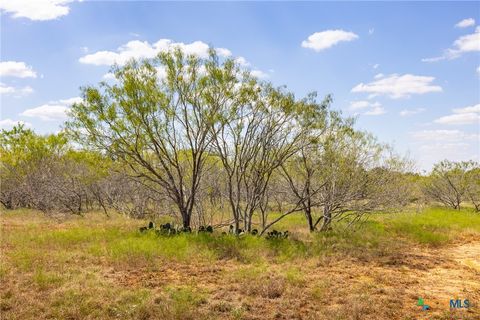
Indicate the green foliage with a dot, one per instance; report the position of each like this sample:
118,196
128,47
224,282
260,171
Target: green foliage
20,146
452,183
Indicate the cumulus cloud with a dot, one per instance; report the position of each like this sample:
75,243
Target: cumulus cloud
4,89
16,69
367,108
470,109
444,135
375,111
464,44
398,86
435,145
143,49
54,110
411,112
137,49
109,76
259,74
319,41
47,112
8,90
361,104
470,22
38,10
462,116
9,123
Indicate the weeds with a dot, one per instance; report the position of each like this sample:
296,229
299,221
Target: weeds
82,268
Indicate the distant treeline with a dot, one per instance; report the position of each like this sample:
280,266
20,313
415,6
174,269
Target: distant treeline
206,142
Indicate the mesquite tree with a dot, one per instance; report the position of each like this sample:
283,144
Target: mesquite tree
304,173
157,118
344,174
450,183
254,139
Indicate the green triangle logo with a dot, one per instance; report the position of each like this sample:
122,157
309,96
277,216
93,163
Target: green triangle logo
420,302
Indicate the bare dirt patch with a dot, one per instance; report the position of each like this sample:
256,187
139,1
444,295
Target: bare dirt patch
383,288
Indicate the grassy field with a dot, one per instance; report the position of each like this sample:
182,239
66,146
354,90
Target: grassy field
103,268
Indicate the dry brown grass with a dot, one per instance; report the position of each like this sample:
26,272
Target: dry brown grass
70,270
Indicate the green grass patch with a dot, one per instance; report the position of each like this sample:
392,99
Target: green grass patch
44,279
433,226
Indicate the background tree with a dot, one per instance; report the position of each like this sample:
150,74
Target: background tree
473,186
449,182
345,174
303,172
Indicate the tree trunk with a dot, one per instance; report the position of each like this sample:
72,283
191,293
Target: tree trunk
327,219
308,215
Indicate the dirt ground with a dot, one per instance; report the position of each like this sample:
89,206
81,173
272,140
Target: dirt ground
387,288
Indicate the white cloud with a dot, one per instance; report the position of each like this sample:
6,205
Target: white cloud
223,52
109,76
47,112
444,135
368,108
375,111
4,89
361,104
323,40
436,145
16,69
259,74
137,49
470,22
54,110
25,90
371,31
378,76
242,61
375,66
9,123
39,10
70,101
143,49
478,69
411,112
464,44
462,116
8,90
433,151
469,109
457,119
398,86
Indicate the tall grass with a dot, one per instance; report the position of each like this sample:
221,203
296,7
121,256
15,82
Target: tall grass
118,239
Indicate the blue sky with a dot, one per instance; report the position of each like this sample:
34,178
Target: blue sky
409,71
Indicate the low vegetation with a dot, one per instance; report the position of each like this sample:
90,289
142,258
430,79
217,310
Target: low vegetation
98,267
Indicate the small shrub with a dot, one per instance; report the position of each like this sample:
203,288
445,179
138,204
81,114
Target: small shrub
274,234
